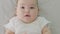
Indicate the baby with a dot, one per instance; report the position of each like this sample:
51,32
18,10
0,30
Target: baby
27,20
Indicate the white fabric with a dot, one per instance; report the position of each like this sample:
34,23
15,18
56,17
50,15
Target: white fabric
10,25
19,27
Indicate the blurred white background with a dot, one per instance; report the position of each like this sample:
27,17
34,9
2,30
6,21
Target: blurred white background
51,10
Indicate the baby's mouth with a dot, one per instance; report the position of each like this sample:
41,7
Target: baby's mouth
27,16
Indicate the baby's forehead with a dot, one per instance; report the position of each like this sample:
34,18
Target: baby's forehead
28,4
32,2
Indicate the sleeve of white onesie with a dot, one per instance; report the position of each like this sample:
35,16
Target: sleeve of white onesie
44,22
10,26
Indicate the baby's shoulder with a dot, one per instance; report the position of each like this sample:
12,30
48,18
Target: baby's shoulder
12,21
13,18
42,18
11,24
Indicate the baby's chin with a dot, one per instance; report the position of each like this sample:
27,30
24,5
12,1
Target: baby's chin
27,21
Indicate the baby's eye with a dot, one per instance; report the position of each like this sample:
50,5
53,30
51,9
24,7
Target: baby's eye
22,7
31,7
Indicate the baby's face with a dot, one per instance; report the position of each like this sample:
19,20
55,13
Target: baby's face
27,10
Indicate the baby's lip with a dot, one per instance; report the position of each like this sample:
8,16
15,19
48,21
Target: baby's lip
27,15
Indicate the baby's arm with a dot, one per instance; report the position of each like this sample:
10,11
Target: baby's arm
46,30
7,31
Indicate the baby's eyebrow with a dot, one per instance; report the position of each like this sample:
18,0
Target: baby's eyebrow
33,4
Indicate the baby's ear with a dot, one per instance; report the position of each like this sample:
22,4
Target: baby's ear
38,9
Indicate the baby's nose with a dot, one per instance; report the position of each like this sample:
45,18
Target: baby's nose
27,10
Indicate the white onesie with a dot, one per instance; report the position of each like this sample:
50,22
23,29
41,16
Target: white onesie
17,26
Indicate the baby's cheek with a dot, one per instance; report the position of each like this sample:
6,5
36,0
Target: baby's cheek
34,14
